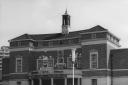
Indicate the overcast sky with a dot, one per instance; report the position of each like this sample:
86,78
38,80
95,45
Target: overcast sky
44,16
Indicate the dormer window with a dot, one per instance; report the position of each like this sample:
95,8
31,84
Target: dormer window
94,59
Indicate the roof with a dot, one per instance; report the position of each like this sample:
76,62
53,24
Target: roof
119,59
58,35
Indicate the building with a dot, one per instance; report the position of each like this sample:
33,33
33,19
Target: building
4,52
46,59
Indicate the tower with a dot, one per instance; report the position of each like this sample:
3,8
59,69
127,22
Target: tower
65,23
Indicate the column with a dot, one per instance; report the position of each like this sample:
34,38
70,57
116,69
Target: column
32,82
78,81
65,81
52,81
40,81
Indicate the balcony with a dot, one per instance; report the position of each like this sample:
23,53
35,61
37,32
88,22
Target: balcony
56,71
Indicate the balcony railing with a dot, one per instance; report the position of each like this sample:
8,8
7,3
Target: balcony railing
55,71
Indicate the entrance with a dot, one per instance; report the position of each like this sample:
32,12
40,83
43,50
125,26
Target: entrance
59,82
46,81
70,81
36,81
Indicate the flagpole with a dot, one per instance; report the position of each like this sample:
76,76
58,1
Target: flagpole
73,62
73,74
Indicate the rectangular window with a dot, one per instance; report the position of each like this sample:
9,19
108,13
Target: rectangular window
45,63
51,62
18,82
94,60
93,36
60,63
69,62
60,60
60,53
18,64
94,81
77,65
39,63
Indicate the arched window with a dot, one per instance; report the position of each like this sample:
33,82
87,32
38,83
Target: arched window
93,59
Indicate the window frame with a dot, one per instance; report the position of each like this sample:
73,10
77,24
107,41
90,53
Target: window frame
58,59
19,58
38,64
52,62
69,61
43,63
93,36
91,53
94,82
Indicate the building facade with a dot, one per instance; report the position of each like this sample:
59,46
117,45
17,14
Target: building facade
4,52
46,59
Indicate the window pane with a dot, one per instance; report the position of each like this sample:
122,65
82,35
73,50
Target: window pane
69,62
94,81
18,64
94,59
60,60
51,62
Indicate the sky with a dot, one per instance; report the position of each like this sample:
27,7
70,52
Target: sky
18,17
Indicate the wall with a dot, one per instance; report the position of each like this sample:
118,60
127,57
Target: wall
14,82
120,81
100,81
102,55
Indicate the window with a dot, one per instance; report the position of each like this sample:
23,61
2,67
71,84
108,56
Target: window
51,62
60,60
60,63
69,62
108,36
60,53
45,62
94,81
93,59
18,64
93,36
39,63
18,82
78,60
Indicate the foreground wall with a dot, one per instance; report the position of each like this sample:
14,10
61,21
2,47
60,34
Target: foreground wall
15,82
120,81
100,81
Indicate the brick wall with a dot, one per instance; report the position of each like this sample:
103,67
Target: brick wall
102,55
